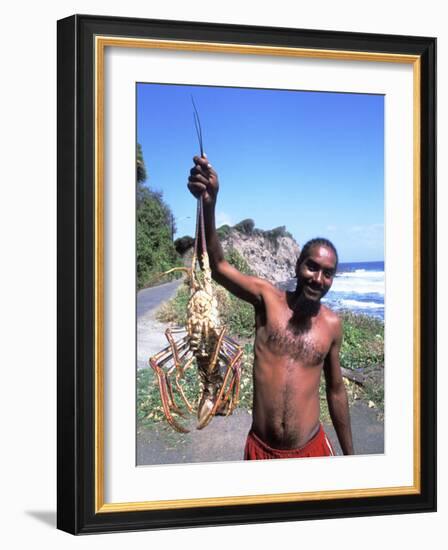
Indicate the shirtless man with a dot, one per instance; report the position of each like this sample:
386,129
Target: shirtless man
296,337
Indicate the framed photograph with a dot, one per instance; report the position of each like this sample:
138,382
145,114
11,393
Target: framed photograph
295,168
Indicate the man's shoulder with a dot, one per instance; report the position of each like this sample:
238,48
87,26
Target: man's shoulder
268,288
271,295
331,318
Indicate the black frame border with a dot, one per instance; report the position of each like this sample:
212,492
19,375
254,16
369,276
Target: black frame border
76,263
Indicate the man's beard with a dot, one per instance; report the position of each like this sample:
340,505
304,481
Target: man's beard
303,309
308,305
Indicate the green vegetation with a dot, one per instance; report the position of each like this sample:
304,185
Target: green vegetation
141,168
224,231
273,235
149,407
183,244
148,397
363,344
155,229
247,227
234,258
362,350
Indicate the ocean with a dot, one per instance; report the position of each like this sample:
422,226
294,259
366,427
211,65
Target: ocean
357,287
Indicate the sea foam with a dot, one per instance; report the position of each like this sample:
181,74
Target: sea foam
355,304
359,282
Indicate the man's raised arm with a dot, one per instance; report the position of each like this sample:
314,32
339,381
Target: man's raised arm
203,181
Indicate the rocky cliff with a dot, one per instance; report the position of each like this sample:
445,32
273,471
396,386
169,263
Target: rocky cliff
270,254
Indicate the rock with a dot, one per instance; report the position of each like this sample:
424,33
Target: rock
272,258
270,254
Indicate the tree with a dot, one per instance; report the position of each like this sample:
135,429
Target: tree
245,226
155,227
142,191
141,168
183,244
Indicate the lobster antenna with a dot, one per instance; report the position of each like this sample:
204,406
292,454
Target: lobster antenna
197,123
195,249
200,225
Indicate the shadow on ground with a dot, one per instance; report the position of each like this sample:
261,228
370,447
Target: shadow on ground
44,516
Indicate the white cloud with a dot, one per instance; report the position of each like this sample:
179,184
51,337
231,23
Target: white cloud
374,228
223,219
370,236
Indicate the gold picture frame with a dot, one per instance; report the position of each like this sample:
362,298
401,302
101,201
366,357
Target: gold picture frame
82,43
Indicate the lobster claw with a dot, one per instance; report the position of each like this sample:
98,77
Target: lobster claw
207,409
210,398
204,412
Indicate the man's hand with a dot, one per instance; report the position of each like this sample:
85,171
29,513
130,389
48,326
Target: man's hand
203,181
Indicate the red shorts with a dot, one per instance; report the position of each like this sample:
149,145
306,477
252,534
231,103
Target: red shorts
319,445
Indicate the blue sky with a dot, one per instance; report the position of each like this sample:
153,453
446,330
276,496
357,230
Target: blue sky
312,161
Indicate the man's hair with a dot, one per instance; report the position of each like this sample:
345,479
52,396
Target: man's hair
318,241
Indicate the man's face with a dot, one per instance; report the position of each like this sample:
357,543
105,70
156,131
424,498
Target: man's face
315,274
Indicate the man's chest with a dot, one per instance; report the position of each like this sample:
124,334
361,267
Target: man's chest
307,342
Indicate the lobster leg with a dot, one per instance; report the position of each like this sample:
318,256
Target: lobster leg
208,400
179,374
172,402
166,354
166,393
232,395
175,351
230,399
234,389
161,378
187,365
233,368
179,367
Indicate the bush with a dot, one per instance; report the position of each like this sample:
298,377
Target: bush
363,343
245,226
277,232
273,235
183,244
155,249
234,258
224,231
175,310
155,229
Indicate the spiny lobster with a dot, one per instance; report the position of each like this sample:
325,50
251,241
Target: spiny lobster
217,356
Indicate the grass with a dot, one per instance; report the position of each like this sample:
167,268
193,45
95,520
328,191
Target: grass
362,350
149,406
363,344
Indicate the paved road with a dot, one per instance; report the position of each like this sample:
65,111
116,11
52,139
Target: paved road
150,333
224,438
150,298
